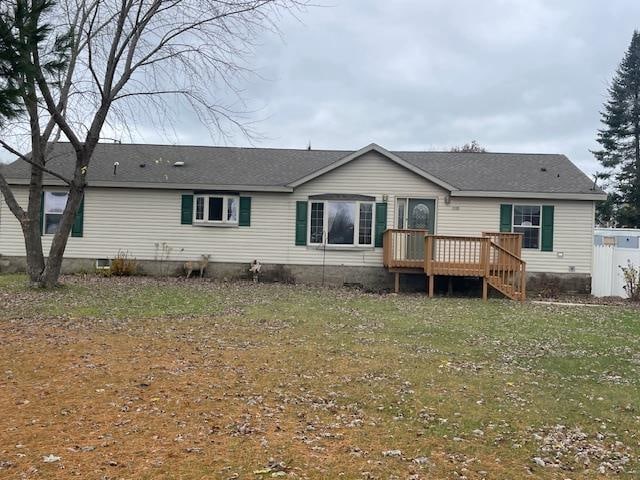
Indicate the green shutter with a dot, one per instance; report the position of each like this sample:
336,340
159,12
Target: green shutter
506,212
301,223
547,228
78,223
381,222
42,212
186,211
245,212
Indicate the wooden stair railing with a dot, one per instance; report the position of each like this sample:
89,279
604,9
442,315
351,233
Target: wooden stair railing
477,257
506,272
507,240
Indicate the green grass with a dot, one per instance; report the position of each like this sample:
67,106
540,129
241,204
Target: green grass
340,376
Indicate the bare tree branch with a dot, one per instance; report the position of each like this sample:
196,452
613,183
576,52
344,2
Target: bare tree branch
10,199
25,158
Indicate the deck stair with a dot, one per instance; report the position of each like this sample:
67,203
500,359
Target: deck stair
494,257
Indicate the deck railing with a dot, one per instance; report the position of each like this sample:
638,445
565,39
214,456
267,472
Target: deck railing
456,255
492,256
511,242
404,248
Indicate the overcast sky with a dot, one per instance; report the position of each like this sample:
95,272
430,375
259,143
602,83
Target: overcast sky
516,75
527,75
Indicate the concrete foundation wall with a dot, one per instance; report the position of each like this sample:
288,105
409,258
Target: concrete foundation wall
370,278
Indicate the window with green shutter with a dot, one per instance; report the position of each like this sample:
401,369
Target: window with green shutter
52,205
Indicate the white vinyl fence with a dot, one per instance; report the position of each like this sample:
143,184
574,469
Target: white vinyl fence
606,279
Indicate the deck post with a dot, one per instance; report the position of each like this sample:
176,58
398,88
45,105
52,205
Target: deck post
485,265
428,253
431,282
397,282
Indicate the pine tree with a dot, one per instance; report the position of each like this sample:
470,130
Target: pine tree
620,139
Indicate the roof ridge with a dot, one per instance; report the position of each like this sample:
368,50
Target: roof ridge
212,146
480,153
312,150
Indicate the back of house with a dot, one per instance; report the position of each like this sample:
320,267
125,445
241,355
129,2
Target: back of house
308,215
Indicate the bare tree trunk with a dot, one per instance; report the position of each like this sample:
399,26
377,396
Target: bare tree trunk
31,227
53,265
51,273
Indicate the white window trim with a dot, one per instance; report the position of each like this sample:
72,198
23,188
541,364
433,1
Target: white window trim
44,210
225,206
539,227
356,230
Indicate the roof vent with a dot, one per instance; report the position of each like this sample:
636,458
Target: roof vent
543,169
115,167
142,165
178,164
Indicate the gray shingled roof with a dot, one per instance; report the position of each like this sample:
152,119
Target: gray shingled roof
153,166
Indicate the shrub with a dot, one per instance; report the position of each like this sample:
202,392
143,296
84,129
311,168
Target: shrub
123,265
631,275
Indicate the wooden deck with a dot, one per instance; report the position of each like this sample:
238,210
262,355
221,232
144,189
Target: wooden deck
494,257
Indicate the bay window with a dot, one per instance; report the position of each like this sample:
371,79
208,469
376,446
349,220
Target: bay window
341,223
216,209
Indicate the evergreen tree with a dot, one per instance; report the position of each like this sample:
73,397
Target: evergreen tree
620,141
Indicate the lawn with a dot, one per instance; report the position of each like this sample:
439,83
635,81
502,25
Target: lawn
140,378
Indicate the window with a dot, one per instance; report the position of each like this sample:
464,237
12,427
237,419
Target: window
216,209
526,220
401,209
200,208
232,210
341,223
317,222
366,223
54,203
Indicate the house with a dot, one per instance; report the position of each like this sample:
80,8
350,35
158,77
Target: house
316,215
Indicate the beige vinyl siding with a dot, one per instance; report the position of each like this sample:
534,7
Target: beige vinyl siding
573,229
142,220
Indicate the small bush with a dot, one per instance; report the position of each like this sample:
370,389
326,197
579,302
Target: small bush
123,265
631,275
